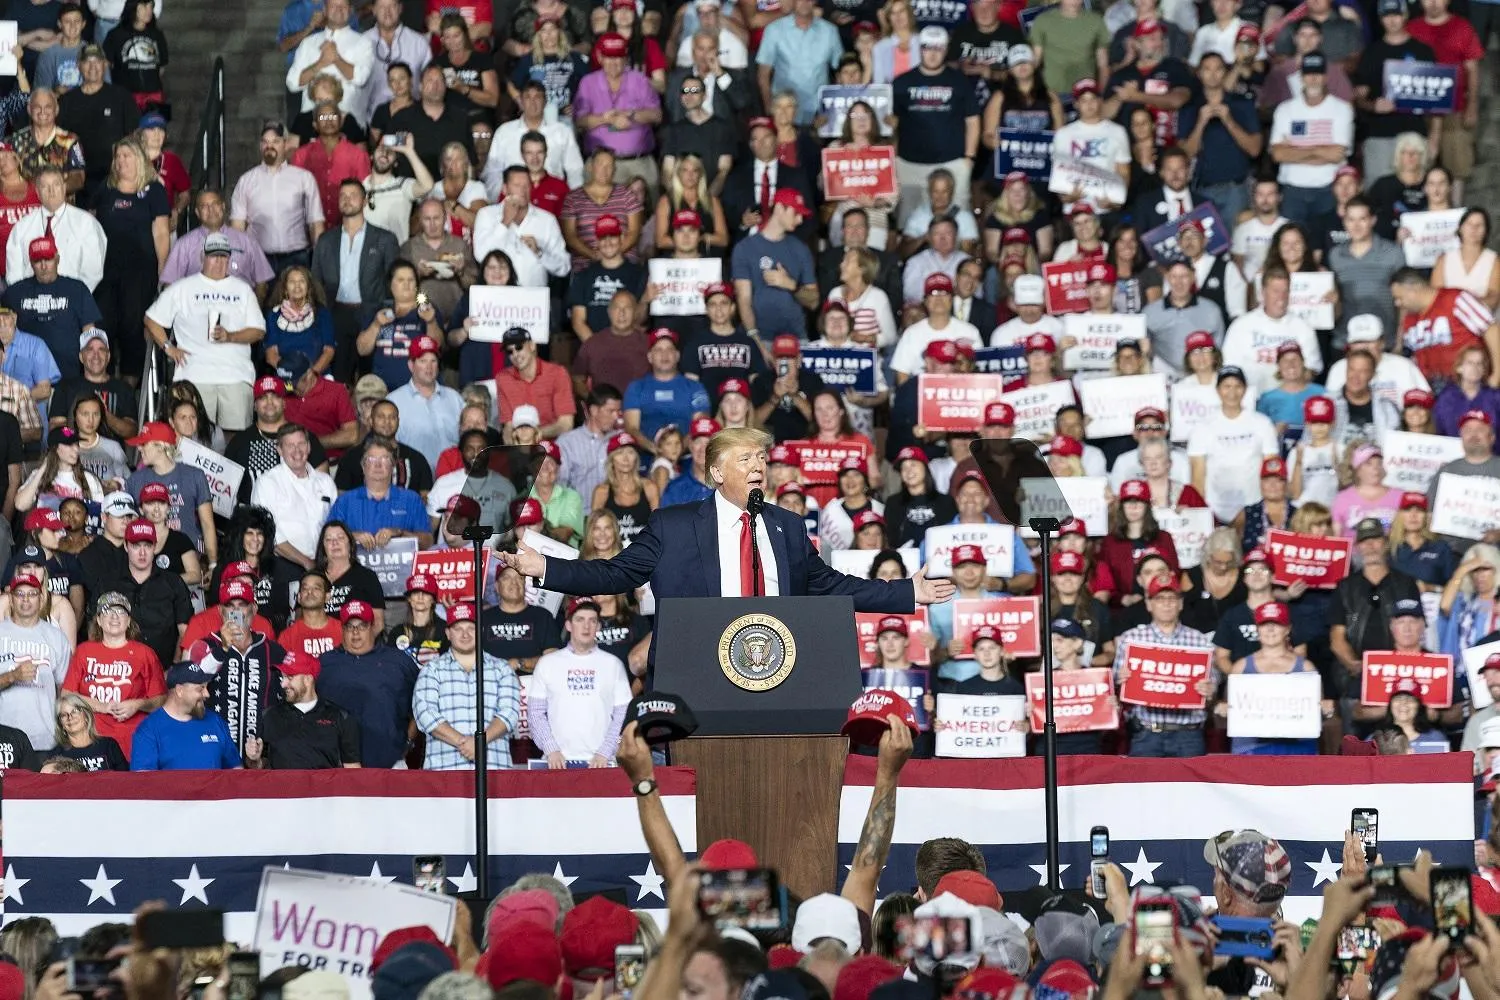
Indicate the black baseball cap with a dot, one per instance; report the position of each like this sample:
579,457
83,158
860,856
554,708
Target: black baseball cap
1368,529
1407,608
1232,371
661,717
1314,62
516,335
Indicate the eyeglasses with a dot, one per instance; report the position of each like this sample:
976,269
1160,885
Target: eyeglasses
69,713
692,90
515,349
1150,427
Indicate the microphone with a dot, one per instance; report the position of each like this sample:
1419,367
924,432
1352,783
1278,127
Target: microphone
753,504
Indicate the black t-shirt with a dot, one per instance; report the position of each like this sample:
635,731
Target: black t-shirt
1391,196
520,635
99,120
711,140
429,137
970,43
10,447
619,638
357,584
118,397
596,284
1361,414
170,556
323,737
978,685
1092,615
413,470
103,754
1162,78
63,571
785,422
908,517
57,312
469,74
136,57
256,451
711,358
1326,232
16,750
422,643
1371,73
932,109
105,567
1200,609
126,220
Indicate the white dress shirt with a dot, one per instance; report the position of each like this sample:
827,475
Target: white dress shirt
354,49
727,516
80,245
300,505
564,158
732,51
532,268
406,46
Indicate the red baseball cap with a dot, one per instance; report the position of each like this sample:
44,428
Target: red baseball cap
781,454
728,853
786,345
967,554
971,887
622,439
1247,32
463,612
526,512
1135,489
1161,584
421,583
1194,224
1041,342
421,347
789,487
1273,613
1478,415
998,414
241,569
1146,414
866,518
723,288
1148,26
1408,500
1067,562
594,928
154,431
735,385
608,225
1015,236
792,198
1072,526
1066,447
893,623
1346,170
1407,685
937,282
357,611
1016,177
868,720
299,664
155,493
854,463
40,518
1418,397
551,450
1199,340
659,334
270,385
704,427
24,580
941,350
1288,347
611,46
1088,85
984,632
41,248
140,530
1273,468
1257,555
236,590
1317,410
686,218
464,507
1491,662
911,453
760,121
1102,272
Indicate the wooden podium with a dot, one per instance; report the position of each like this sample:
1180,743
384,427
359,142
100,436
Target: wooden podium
770,762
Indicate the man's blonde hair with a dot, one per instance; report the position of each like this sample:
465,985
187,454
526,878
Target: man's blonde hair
735,437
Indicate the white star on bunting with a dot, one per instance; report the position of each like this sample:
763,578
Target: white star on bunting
375,874
101,886
193,887
13,885
1141,870
1041,871
467,882
567,880
1326,870
648,884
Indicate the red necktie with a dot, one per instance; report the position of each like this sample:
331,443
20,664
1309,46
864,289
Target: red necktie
752,577
765,194
48,232
1181,208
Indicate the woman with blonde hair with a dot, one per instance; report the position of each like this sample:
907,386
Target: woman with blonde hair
1018,207
132,208
461,194
869,306
625,493
795,145
1469,608
1401,189
687,190
78,738
897,52
29,941
601,536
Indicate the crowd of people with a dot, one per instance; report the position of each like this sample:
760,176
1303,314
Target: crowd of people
339,386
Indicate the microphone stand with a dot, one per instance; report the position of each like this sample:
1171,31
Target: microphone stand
753,504
479,534
1046,527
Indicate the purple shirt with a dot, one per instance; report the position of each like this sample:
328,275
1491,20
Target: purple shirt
246,261
1452,404
635,94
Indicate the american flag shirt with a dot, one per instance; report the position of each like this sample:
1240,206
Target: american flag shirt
1330,122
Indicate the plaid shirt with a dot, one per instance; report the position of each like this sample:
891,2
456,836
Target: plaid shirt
1183,638
445,693
15,399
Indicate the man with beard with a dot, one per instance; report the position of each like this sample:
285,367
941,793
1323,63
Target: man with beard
391,198
183,735
516,631
374,683
476,480
355,296
278,204
302,730
241,659
257,448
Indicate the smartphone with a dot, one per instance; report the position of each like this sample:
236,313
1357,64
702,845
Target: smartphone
1387,882
1155,934
182,929
783,367
1098,857
85,975
1366,826
748,898
390,139
244,976
1358,944
239,617
1452,903
935,938
428,872
630,968
1245,936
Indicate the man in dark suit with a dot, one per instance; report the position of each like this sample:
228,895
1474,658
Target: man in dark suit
701,549
967,305
1173,198
753,184
729,94
354,294
856,232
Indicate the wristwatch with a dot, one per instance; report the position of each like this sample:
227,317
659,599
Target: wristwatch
644,787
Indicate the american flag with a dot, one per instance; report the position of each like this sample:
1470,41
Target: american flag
1314,132
83,849
1160,812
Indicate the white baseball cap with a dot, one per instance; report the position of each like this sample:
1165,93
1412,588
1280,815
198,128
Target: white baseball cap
1364,328
525,415
826,916
1029,290
933,37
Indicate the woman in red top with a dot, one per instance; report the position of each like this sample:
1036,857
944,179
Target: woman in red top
17,195
167,164
830,425
643,54
1132,527
117,674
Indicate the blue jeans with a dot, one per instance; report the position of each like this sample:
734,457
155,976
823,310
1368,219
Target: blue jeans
1302,205
1177,743
1230,199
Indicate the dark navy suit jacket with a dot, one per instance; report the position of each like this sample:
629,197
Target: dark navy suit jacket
679,554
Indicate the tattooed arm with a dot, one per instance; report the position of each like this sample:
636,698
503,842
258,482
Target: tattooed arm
634,758
875,839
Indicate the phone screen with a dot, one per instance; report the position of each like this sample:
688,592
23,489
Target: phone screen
1366,826
1386,880
1452,902
428,871
1099,842
244,976
630,967
749,898
1155,930
85,975
937,938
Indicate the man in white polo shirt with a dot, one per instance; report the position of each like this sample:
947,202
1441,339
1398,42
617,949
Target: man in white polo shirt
578,695
1253,342
1395,374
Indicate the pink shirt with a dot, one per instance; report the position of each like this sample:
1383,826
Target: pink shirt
277,205
1349,508
595,97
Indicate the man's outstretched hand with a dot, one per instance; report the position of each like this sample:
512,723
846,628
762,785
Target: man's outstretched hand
526,560
931,591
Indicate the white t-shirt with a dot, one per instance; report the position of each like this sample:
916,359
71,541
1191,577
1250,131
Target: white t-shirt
914,340
1328,123
582,691
390,204
188,308
1212,38
1104,144
1251,342
836,527
1395,376
1015,330
1252,241
1234,450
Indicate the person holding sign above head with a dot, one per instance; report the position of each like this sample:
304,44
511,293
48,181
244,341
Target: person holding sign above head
1092,139
703,549
1273,625
1155,731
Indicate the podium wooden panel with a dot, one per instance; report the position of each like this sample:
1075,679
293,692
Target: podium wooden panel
778,794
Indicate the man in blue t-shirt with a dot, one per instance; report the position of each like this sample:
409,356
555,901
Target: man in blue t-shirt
55,308
775,279
183,735
378,510
666,396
